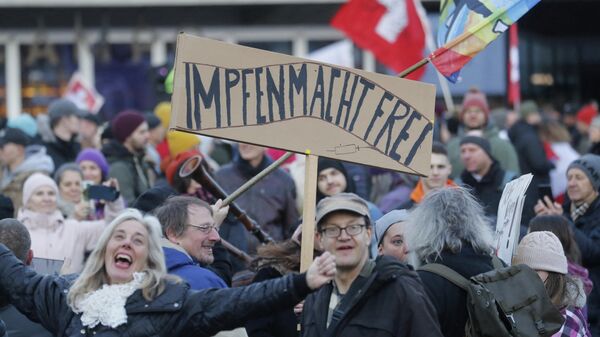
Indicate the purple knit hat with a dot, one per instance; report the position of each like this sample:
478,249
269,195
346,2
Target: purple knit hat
96,157
125,123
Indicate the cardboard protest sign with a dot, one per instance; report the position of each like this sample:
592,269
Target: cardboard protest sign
248,95
508,223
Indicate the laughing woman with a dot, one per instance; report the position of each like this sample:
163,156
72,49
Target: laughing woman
124,290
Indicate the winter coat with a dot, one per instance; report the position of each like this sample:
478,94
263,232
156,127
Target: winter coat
489,189
181,264
282,323
61,151
587,236
11,183
177,311
131,170
54,237
390,301
19,325
271,202
502,150
449,300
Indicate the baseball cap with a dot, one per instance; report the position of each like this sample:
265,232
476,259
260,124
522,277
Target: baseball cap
15,136
342,202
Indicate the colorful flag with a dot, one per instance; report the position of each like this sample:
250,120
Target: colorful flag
468,26
390,29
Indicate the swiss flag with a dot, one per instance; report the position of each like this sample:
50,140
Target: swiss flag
390,29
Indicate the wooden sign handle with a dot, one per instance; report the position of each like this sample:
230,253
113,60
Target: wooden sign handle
308,216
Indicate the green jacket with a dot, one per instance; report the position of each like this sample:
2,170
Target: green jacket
502,150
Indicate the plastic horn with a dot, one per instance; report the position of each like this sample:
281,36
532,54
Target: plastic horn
193,168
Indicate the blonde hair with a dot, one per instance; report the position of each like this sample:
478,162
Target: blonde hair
94,275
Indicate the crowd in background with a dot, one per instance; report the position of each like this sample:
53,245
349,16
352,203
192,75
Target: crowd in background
52,168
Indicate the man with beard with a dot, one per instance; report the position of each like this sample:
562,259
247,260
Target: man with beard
381,297
474,116
271,202
125,154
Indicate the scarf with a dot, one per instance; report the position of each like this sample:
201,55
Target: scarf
106,305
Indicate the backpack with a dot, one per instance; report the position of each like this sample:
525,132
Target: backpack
505,302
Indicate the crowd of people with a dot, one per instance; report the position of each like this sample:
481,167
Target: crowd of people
131,247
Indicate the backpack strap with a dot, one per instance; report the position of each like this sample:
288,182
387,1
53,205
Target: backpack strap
447,273
497,263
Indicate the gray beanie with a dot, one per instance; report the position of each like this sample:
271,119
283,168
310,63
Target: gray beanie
62,108
386,221
542,251
590,165
483,143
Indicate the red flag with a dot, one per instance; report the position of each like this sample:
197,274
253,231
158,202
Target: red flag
514,87
390,29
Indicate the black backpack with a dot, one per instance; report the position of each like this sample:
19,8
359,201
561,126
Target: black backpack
505,302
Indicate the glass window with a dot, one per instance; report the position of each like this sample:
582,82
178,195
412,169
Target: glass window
45,72
124,77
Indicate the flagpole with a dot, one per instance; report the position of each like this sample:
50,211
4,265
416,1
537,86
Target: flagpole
413,68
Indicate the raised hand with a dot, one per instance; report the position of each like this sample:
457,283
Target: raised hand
321,271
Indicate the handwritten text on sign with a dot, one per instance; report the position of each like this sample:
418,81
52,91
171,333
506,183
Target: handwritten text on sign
277,93
254,96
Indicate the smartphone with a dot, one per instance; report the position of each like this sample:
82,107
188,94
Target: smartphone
101,192
545,190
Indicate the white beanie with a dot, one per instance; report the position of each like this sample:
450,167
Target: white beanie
35,181
542,251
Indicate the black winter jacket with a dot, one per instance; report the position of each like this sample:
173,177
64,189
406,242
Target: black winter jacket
178,311
489,189
62,152
449,300
587,236
390,302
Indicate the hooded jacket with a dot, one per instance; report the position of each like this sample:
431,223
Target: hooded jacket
181,264
390,301
11,183
177,311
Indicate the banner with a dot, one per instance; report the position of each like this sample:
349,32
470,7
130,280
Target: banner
249,95
508,223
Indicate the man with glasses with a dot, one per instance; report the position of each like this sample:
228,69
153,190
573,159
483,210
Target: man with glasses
190,234
380,297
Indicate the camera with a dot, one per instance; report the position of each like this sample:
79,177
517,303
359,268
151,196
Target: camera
101,192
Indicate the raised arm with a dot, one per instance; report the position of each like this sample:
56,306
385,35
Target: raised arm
42,298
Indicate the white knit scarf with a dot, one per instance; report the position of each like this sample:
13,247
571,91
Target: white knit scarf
106,305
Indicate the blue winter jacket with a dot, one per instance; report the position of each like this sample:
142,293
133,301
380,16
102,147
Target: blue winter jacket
182,265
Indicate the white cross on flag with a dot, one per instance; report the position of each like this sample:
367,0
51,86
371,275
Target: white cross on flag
390,29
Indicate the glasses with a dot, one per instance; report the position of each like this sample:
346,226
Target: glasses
335,231
204,228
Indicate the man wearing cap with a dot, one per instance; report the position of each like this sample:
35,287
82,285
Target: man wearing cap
380,297
18,160
483,173
475,116
125,154
438,178
389,233
64,123
583,209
